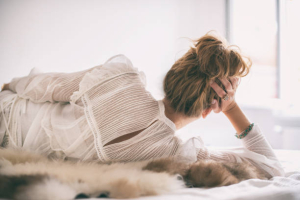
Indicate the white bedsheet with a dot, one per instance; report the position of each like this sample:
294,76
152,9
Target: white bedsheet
278,188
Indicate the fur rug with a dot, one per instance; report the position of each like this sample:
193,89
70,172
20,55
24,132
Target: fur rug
25,175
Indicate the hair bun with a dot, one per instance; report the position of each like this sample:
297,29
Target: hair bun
216,59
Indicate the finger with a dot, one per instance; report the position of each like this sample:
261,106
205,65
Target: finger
221,93
215,106
234,82
231,94
226,83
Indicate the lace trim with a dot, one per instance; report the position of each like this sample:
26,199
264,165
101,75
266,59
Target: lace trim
97,136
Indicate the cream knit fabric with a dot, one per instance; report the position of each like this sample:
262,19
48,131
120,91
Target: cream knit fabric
77,114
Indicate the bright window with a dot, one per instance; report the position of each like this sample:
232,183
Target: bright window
268,32
290,51
253,27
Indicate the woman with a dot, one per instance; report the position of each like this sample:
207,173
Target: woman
105,113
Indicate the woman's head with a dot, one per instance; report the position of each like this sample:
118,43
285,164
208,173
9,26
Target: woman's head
187,83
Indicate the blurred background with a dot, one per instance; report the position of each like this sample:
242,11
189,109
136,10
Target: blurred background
73,35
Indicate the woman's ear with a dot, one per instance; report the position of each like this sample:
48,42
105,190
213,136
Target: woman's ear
206,112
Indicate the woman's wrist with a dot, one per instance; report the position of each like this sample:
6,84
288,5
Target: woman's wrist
228,104
230,108
245,132
237,119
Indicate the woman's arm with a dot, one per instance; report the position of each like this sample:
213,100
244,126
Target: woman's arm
236,116
254,141
255,150
45,87
229,106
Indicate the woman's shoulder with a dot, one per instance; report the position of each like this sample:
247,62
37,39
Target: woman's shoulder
120,61
115,66
119,58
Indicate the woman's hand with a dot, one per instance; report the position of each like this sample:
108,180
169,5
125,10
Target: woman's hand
5,86
228,96
228,106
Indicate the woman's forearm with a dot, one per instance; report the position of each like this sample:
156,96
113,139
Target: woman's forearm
228,105
237,119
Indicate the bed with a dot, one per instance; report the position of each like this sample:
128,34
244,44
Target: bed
278,188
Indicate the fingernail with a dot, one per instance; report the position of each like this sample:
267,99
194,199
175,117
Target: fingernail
211,81
214,101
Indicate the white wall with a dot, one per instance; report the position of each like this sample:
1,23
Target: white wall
72,35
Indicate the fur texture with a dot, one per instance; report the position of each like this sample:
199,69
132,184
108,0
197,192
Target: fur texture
207,173
25,175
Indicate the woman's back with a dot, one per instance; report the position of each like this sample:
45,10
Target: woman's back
111,102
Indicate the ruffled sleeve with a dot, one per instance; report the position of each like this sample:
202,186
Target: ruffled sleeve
113,67
255,150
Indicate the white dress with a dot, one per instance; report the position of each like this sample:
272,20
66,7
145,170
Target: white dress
76,114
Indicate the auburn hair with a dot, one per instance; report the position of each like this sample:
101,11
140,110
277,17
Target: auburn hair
187,84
